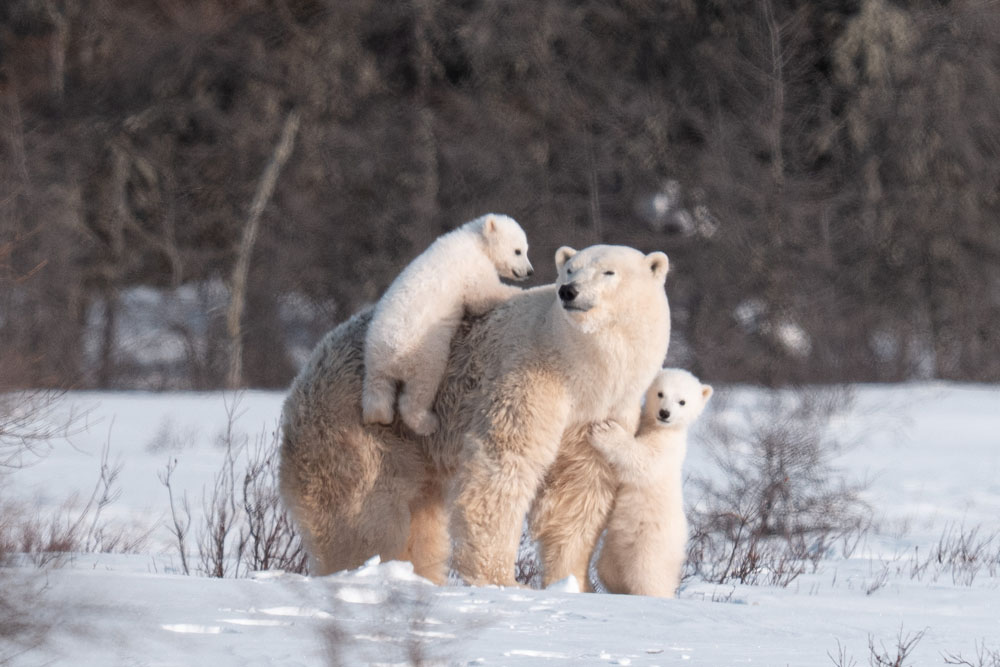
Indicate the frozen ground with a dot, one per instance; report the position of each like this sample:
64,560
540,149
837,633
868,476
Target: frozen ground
932,452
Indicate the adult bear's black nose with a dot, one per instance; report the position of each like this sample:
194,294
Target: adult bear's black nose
664,414
568,292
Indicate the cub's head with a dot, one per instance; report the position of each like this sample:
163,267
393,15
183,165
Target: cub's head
604,285
675,399
506,245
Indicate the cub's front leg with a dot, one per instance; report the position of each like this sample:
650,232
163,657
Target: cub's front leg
622,450
488,296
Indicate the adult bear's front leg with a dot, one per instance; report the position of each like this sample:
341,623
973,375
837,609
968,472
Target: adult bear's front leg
503,462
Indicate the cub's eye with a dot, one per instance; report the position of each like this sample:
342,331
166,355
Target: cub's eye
609,273
569,272
517,252
659,394
681,402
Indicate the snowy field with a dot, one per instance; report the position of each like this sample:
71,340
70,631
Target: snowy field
931,453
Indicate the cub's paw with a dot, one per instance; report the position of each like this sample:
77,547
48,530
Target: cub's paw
606,433
377,411
422,423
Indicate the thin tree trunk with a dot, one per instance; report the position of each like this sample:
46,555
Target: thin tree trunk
594,192
425,204
57,81
109,339
17,138
114,268
238,282
777,96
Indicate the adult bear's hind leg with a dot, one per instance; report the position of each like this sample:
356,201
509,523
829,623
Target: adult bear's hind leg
428,545
380,528
349,494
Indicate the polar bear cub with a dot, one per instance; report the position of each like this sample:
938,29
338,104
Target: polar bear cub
647,532
413,323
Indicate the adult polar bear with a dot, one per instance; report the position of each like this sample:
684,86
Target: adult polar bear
522,382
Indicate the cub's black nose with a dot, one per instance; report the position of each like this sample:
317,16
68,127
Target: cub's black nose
664,414
531,272
568,292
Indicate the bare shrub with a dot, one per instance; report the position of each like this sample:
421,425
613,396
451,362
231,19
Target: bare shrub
29,422
985,657
842,658
960,553
220,547
780,505
47,539
882,656
879,579
245,527
180,521
167,437
271,539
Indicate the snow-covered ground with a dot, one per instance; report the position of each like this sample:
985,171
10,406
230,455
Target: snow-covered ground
931,451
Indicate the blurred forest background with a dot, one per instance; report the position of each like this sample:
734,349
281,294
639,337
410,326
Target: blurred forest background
193,191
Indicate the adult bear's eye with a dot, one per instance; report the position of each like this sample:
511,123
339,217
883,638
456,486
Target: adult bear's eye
681,402
659,394
609,273
517,252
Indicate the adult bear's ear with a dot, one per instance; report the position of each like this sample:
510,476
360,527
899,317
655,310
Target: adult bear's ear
706,392
564,254
658,264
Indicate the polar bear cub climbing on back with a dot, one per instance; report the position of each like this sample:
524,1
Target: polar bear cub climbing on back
646,540
410,334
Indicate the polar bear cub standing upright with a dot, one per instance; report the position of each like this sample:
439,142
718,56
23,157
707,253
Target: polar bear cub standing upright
410,334
647,533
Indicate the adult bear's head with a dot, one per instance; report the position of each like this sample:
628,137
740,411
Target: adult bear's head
606,285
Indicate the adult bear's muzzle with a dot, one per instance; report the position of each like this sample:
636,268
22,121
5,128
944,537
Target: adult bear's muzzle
568,292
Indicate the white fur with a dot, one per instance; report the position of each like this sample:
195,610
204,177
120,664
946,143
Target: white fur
541,373
647,533
522,385
413,324
610,327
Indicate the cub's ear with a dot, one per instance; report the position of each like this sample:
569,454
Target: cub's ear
490,225
658,264
706,392
564,254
